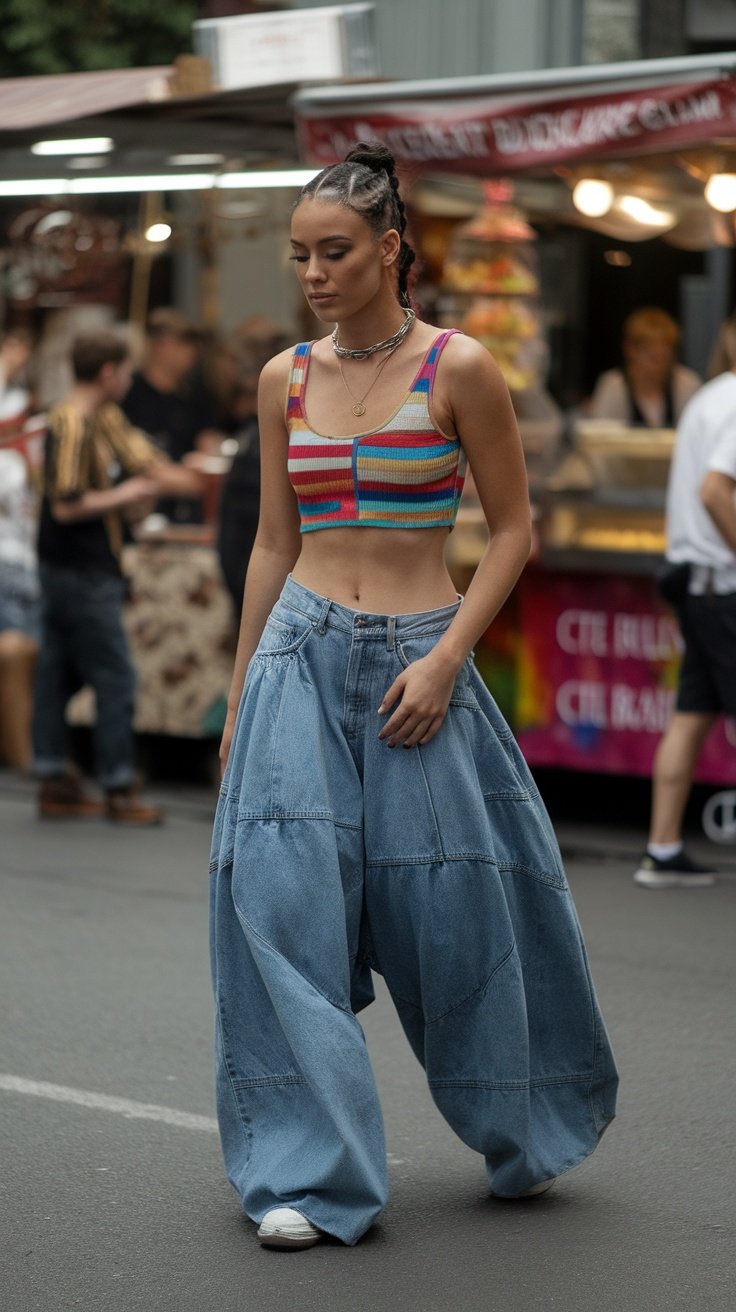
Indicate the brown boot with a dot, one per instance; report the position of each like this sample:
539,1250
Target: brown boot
124,807
64,798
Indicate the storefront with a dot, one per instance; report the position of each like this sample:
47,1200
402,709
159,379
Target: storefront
583,659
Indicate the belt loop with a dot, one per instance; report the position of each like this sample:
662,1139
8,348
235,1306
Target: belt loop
322,621
391,633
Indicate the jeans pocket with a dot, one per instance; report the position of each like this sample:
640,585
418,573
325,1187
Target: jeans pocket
283,636
409,650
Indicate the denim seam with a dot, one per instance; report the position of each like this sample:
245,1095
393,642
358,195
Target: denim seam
433,859
508,796
343,628
437,827
313,619
245,1128
222,862
432,1020
268,1081
252,930
540,876
249,817
544,1082
272,771
480,988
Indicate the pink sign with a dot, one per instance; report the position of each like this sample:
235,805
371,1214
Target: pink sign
595,676
502,134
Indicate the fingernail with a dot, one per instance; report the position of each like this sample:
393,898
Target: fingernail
380,709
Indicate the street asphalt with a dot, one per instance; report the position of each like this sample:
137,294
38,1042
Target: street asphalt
112,1194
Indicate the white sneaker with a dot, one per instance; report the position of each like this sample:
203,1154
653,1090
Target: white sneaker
534,1192
283,1227
540,1188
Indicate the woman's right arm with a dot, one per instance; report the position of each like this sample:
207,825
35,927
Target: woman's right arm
277,542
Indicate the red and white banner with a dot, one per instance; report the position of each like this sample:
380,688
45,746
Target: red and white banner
498,135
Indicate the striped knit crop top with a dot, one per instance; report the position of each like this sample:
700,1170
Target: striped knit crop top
402,475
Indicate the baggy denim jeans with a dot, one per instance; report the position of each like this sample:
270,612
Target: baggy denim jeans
436,866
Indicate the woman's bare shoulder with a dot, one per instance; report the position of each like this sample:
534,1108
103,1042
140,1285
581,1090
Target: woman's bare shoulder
465,360
274,377
279,366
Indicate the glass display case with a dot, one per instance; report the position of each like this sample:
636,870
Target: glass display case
490,290
617,510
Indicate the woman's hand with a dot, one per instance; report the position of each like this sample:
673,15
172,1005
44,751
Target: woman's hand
423,693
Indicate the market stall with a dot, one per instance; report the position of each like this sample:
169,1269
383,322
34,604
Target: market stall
583,658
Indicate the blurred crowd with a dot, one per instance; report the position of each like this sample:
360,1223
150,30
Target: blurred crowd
194,398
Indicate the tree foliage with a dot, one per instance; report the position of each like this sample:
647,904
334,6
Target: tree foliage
74,36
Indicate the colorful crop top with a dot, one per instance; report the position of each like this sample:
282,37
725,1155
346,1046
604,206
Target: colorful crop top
402,475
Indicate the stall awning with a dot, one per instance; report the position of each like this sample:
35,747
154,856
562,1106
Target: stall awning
33,102
503,124
151,114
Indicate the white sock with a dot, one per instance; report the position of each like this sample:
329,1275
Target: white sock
664,851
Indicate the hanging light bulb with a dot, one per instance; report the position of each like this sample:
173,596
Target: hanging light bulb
158,232
592,197
635,207
720,192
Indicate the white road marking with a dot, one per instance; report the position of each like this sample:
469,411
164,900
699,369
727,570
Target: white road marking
133,1111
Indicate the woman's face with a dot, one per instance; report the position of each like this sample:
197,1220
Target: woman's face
340,263
651,359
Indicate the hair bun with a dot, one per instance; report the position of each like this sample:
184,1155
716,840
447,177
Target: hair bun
375,156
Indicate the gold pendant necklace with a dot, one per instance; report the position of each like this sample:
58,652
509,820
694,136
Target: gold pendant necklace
359,401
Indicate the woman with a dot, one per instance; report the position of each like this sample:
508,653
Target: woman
652,390
335,853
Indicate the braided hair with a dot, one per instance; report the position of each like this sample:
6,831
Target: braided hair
366,182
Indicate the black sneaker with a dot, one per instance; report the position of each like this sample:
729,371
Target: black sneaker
676,872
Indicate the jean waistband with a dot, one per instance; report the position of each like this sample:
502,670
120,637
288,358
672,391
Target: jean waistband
330,614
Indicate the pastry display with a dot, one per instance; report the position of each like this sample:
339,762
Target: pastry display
489,289
499,273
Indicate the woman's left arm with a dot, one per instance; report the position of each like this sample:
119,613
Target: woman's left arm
484,420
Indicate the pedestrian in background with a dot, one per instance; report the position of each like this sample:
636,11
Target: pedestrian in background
701,545
249,348
169,402
98,470
334,852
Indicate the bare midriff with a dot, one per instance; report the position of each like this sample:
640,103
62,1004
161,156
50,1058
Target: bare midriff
384,571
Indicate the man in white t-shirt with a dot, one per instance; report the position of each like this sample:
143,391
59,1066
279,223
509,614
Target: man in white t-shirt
701,531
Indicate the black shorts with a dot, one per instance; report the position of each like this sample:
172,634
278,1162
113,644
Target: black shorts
707,679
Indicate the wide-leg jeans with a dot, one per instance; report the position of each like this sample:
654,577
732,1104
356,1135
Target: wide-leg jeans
436,866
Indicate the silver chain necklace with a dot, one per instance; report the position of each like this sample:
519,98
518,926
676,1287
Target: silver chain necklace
358,407
345,353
